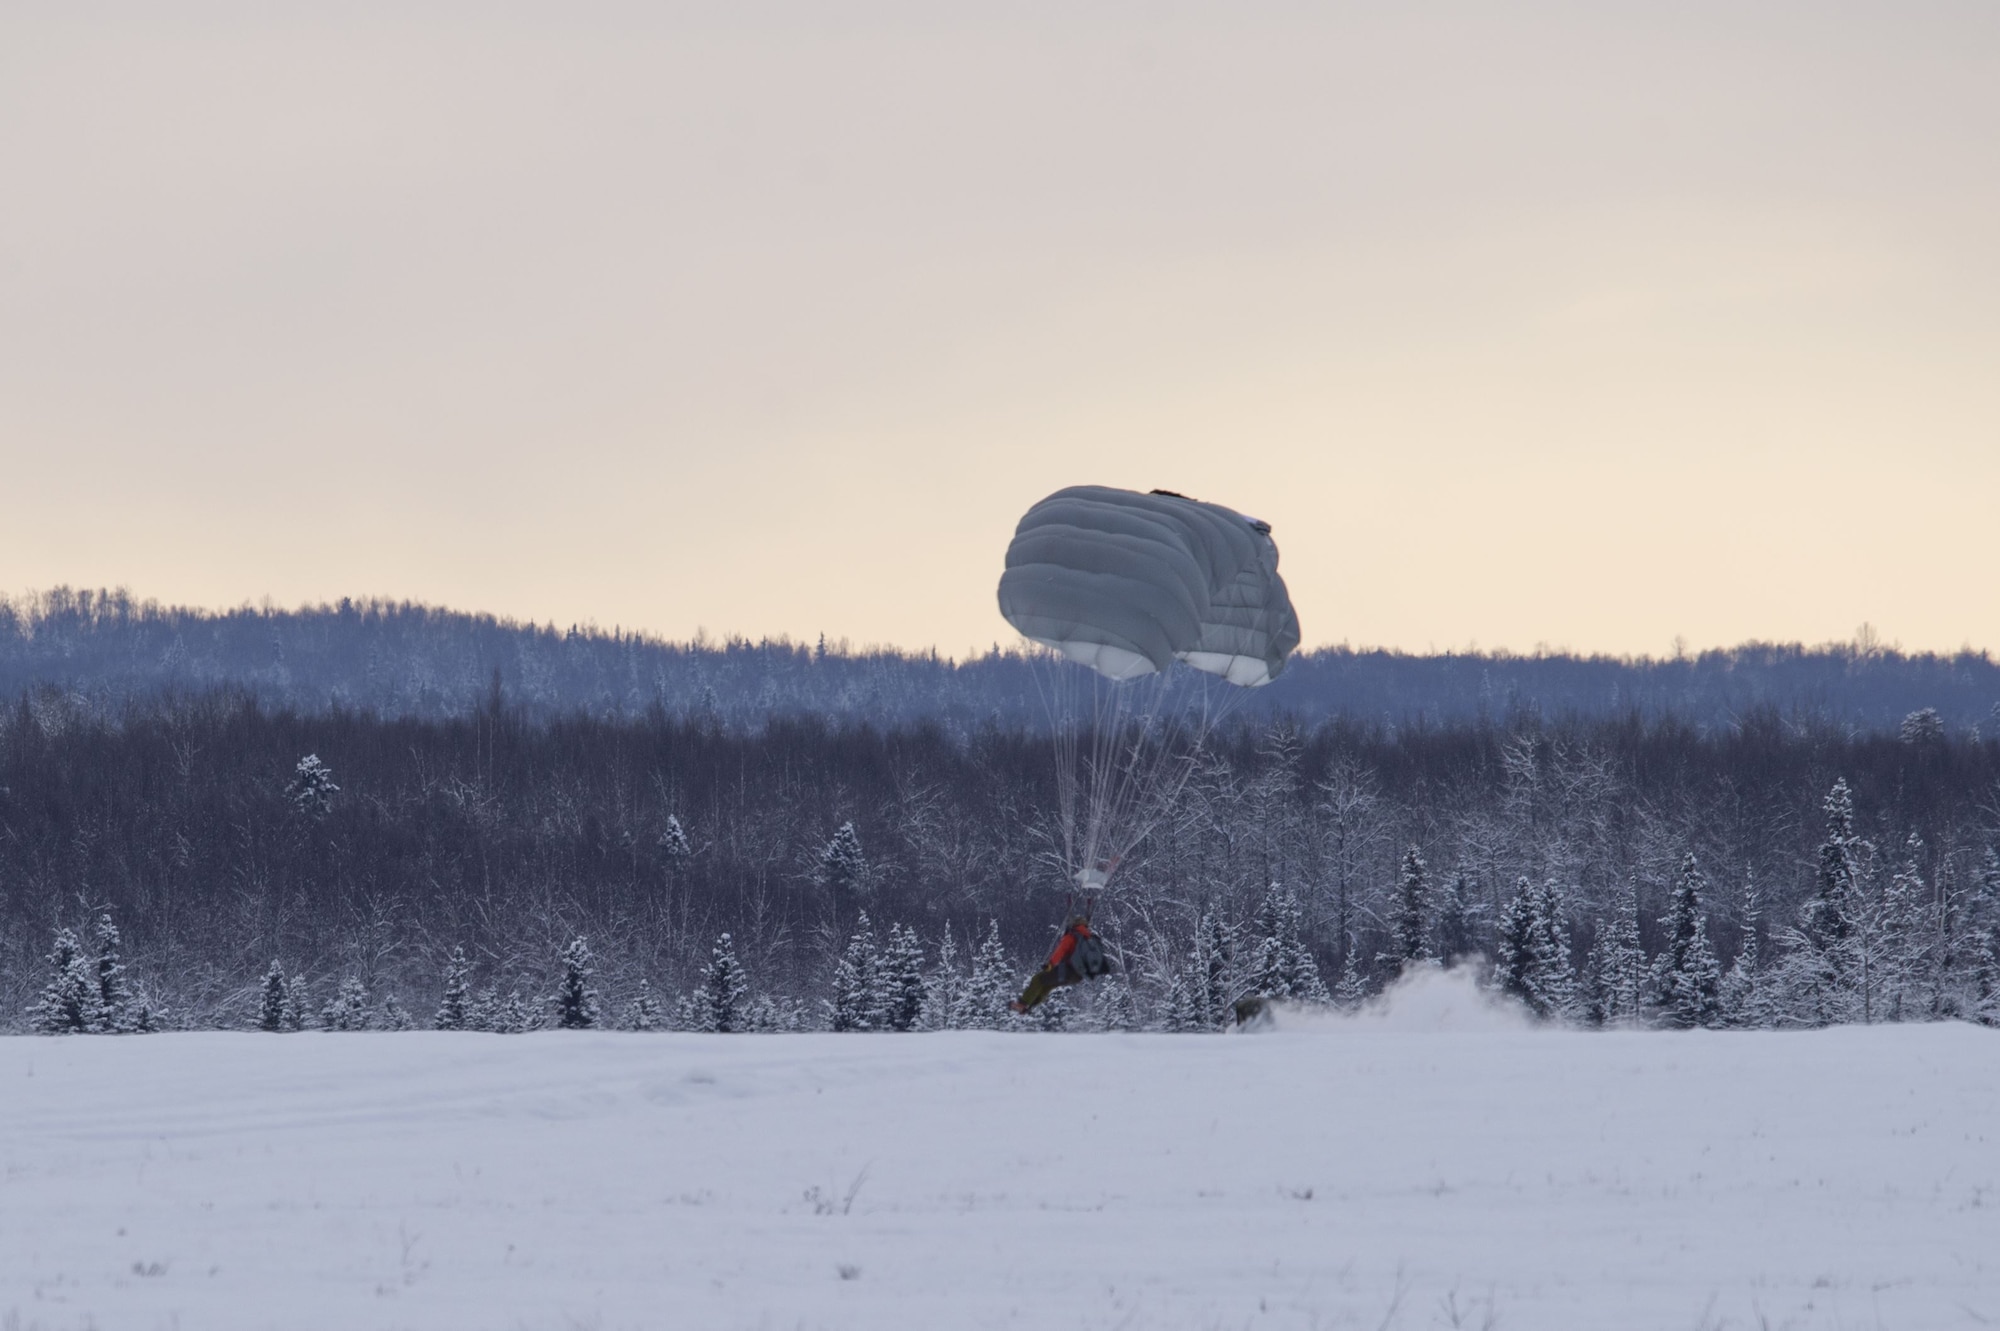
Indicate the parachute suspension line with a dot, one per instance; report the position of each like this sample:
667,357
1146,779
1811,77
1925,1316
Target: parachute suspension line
1083,760
1123,719
1054,687
1107,774
1125,586
1133,748
1116,784
1159,755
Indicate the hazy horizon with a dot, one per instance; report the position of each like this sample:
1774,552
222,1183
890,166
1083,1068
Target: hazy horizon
1864,640
1558,326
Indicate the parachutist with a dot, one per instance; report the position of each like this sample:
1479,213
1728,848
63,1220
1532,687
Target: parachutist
1129,585
1078,956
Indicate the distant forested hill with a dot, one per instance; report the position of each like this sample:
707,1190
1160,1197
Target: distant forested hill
401,659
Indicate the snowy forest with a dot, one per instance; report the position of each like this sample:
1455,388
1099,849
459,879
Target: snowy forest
398,659
206,860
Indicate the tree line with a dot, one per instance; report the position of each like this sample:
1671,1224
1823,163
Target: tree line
205,860
404,659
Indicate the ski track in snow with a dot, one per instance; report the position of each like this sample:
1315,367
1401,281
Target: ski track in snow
1369,1173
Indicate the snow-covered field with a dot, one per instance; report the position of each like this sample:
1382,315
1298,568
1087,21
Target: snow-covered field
1435,1167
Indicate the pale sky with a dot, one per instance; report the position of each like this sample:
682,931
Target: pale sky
1581,324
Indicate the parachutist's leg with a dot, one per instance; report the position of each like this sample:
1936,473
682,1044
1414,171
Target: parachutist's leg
1040,985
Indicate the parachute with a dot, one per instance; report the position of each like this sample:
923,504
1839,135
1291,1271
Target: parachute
1127,584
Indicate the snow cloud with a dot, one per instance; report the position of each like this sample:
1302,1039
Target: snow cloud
1424,999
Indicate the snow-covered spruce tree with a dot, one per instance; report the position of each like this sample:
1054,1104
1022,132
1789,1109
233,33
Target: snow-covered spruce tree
1055,1013
1821,974
1274,936
1458,919
1894,968
1923,727
311,790
1520,924
1114,1009
842,868
482,1010
1211,985
274,1000
856,1001
1617,978
348,1009
1593,985
1284,968
642,1012
776,1015
69,1002
1627,972
298,1003
1983,934
394,1016
1308,986
1555,966
942,987
901,980
1946,957
507,1014
1352,990
576,999
1742,995
990,987
1176,1010
1687,978
1534,964
1410,921
1984,909
149,1016
515,1014
675,850
722,1004
115,1012
687,1014
1985,1007
455,1006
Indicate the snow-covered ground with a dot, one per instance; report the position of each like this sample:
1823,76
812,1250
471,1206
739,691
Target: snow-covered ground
1438,1166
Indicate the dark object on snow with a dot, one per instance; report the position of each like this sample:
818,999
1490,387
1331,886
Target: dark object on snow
1252,1011
1078,956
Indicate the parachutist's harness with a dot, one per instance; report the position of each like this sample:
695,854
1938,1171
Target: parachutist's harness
1079,955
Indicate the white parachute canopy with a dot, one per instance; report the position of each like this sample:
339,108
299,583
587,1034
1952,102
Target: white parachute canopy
1127,584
